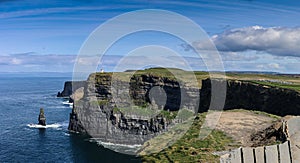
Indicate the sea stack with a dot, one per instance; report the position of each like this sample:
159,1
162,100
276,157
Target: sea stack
42,118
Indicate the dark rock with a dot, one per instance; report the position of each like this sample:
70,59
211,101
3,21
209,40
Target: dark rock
71,100
59,94
42,118
75,124
251,96
70,87
268,136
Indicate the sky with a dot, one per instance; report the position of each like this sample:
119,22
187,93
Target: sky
250,35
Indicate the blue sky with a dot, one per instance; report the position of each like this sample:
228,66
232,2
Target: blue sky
251,35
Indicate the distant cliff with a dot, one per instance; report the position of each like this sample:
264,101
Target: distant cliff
69,86
252,96
100,114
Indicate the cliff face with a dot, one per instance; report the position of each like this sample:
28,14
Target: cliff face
98,113
69,87
251,96
143,89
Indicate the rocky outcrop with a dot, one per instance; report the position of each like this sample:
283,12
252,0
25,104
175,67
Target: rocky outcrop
102,123
252,96
96,112
274,133
42,118
70,87
75,124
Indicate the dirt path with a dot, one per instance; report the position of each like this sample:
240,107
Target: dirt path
240,124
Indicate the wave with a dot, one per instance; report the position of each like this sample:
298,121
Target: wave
56,107
122,148
67,103
66,134
5,132
64,124
55,125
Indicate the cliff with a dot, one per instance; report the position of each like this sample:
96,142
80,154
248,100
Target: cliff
112,119
252,96
70,87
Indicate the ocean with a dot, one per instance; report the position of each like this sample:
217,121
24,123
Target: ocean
21,99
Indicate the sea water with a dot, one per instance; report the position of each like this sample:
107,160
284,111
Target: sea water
22,141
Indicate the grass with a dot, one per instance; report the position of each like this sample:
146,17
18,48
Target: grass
184,114
169,115
276,117
189,77
172,74
279,85
267,114
138,111
189,148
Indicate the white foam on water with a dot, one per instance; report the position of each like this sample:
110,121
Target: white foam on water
56,107
55,125
123,148
64,124
66,134
67,103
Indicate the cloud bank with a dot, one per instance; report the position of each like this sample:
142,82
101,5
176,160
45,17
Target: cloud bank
278,41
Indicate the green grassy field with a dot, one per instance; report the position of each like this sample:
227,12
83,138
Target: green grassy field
189,77
190,148
292,86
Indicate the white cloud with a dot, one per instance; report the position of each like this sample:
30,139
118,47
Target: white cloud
32,61
270,66
238,56
274,65
43,11
16,61
278,41
90,60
